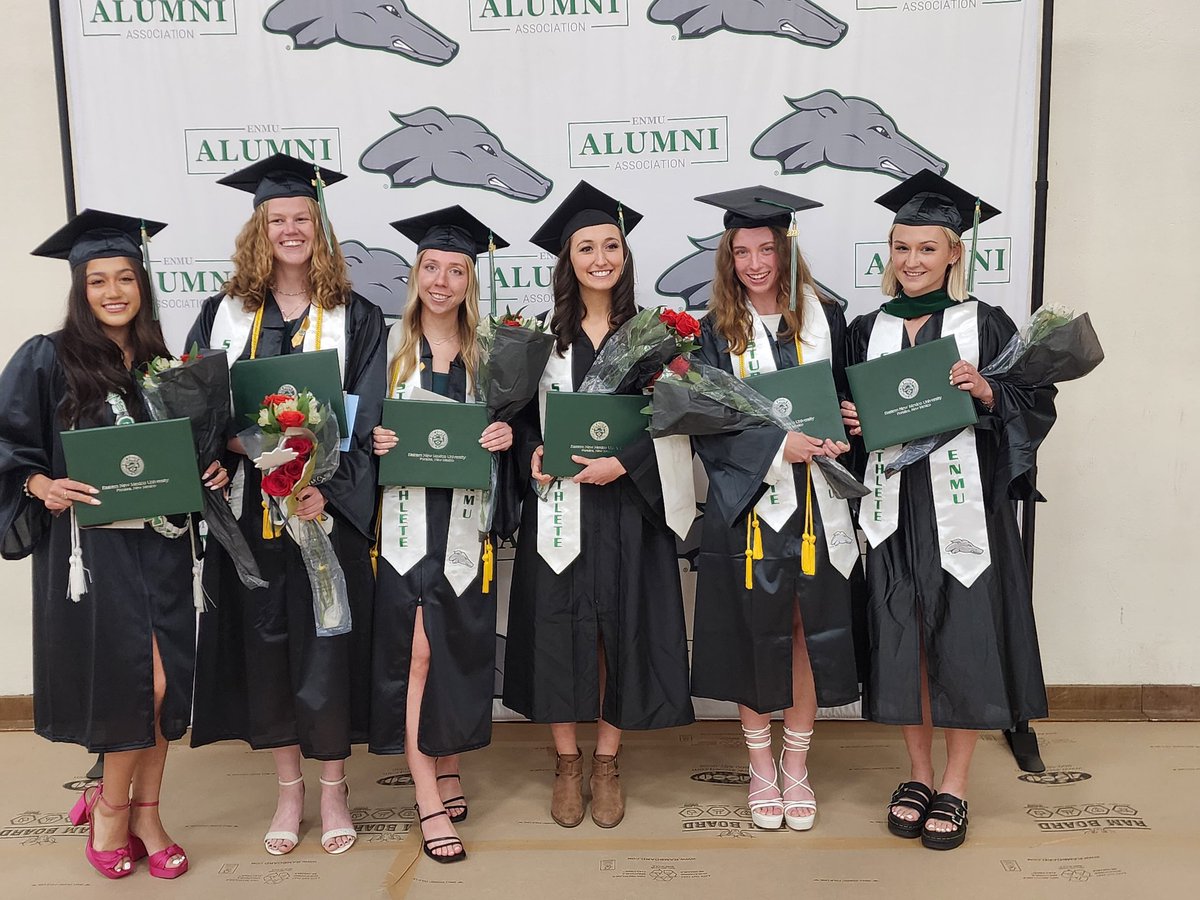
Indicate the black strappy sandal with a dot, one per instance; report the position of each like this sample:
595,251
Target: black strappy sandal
450,804
946,808
912,795
431,844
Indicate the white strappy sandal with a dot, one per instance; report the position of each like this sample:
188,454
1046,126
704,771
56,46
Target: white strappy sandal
283,835
760,739
797,742
338,832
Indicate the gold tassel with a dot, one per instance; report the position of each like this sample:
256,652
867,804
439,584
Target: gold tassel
268,531
489,564
379,517
758,553
749,556
808,547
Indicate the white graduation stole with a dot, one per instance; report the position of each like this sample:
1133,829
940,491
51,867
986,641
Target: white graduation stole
403,530
953,469
231,329
558,540
780,502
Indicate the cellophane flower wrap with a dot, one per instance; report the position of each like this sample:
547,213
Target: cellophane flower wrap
513,351
196,387
640,348
295,444
696,399
1055,345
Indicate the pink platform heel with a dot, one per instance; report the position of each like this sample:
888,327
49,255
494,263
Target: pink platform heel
160,862
109,863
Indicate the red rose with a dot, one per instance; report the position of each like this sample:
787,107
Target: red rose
277,484
302,446
291,418
275,399
293,470
686,325
679,365
668,317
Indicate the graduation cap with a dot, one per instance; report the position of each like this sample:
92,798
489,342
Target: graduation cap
95,234
584,207
454,230
758,206
764,207
929,199
280,176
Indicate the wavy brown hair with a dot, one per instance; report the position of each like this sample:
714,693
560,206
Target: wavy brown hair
254,264
92,362
567,317
729,306
403,363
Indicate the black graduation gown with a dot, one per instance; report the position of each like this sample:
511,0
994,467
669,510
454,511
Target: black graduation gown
981,646
622,589
456,710
93,677
742,639
262,674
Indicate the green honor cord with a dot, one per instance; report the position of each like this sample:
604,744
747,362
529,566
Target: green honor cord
149,271
492,268
319,184
974,242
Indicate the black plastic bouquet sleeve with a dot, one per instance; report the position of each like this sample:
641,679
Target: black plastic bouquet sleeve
514,369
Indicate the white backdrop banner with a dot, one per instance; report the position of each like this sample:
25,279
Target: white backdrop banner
503,105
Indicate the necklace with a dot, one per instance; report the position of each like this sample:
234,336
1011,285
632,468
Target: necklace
438,343
303,292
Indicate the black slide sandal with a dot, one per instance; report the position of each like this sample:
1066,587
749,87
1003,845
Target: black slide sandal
946,808
912,795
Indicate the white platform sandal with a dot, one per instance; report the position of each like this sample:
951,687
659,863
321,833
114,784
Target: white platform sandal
797,742
338,832
289,836
760,739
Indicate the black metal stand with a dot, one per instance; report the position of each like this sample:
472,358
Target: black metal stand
96,772
1024,746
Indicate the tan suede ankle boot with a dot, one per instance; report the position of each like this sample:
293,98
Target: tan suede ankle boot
608,800
566,802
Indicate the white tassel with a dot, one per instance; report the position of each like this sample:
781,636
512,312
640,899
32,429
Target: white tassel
197,569
77,576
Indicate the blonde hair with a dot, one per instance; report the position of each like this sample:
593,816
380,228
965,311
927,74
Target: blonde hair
728,305
254,264
956,281
404,362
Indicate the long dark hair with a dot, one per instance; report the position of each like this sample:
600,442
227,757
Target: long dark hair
94,365
568,307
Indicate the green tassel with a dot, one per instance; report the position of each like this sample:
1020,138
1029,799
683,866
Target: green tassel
319,184
149,271
492,268
621,218
974,242
793,233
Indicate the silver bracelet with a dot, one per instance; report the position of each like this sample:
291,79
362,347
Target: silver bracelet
25,487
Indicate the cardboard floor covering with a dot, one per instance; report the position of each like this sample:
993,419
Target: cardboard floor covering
1115,815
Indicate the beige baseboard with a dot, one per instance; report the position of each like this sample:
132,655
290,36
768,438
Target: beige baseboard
1068,703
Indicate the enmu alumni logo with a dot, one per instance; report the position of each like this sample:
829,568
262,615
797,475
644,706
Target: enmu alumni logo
184,282
993,261
548,16
219,151
158,19
649,142
926,6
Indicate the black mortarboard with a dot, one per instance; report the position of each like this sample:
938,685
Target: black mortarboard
929,199
758,206
281,176
452,229
98,235
585,206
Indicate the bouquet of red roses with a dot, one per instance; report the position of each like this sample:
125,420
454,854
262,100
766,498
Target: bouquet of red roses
295,444
639,349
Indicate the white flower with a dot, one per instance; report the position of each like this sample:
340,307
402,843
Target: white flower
264,418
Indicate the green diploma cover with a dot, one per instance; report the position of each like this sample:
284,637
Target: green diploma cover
438,445
590,425
807,395
142,470
908,395
316,371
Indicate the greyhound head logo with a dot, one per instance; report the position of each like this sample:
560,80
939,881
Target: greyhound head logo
828,129
434,145
840,537
798,20
691,278
379,275
460,558
368,24
962,545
